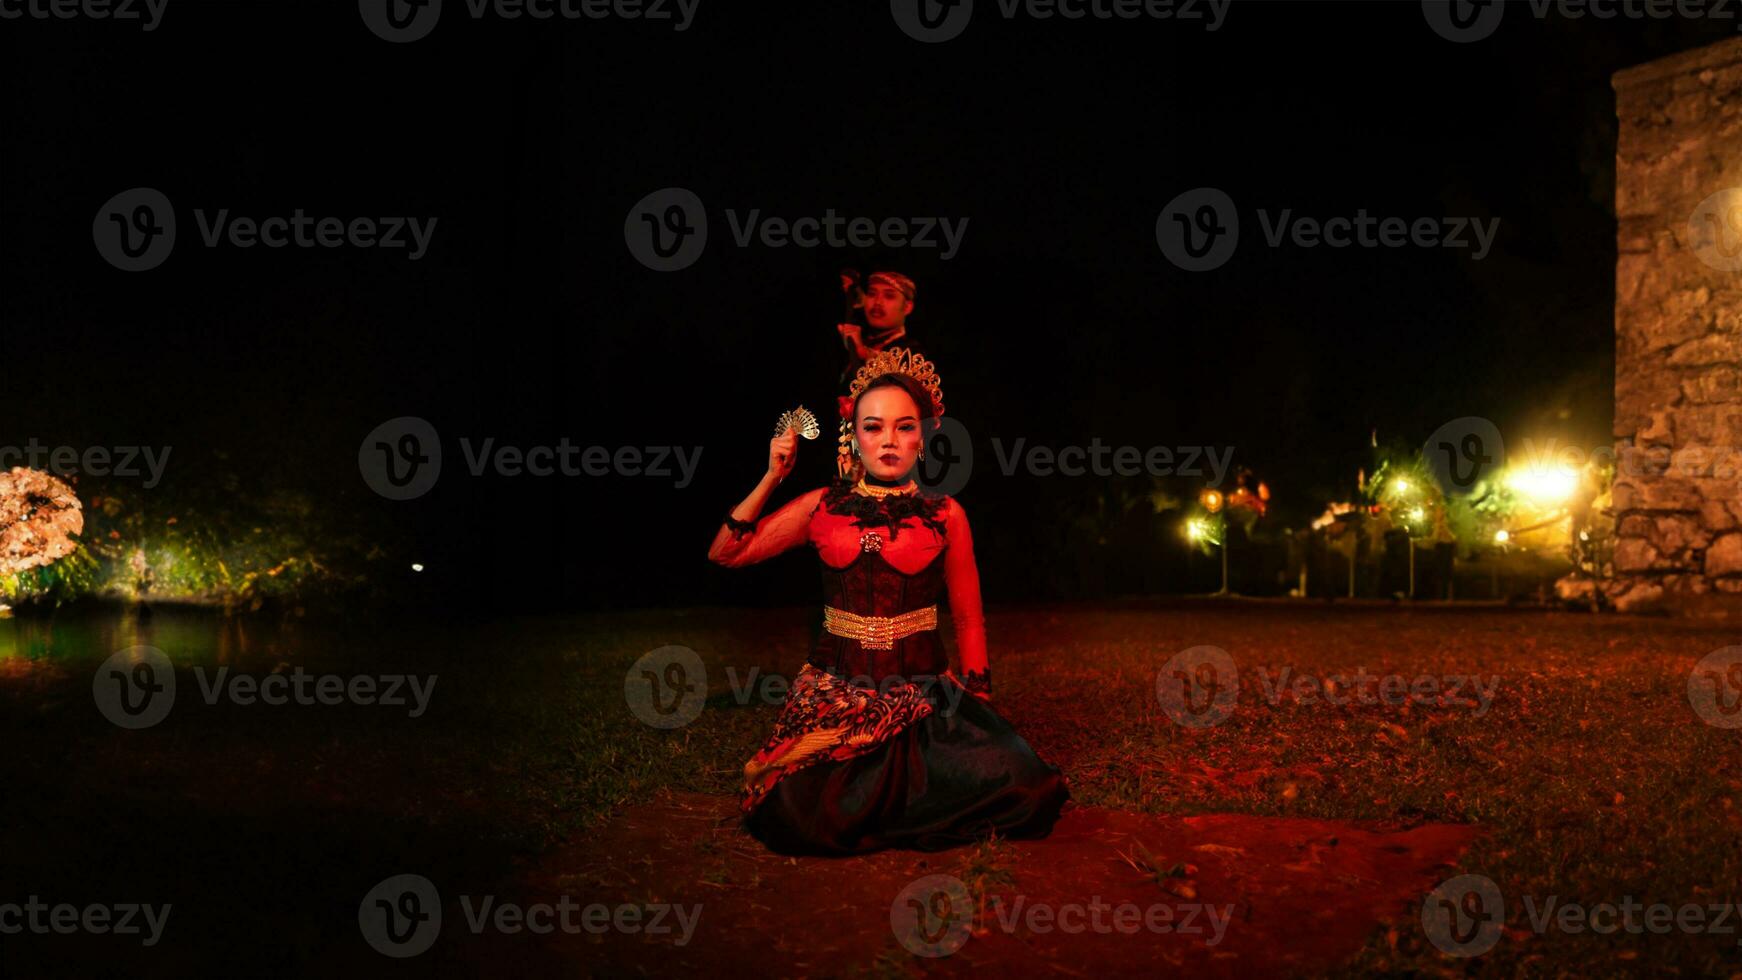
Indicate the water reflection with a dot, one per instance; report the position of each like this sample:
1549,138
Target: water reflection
188,636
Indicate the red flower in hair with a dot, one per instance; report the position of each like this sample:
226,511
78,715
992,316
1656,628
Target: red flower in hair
846,405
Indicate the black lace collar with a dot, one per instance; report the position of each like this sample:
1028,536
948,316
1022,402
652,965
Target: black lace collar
891,511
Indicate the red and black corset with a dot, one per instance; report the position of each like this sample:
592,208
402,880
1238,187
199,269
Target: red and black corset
870,586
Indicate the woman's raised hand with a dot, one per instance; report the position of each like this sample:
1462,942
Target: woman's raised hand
782,453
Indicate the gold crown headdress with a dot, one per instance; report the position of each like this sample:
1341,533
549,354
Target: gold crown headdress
900,360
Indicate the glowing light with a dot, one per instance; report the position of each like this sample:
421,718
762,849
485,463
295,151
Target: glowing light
1550,484
1195,530
1401,485
1501,536
416,568
1415,514
1211,499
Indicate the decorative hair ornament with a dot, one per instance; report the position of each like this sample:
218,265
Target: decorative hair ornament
900,360
801,419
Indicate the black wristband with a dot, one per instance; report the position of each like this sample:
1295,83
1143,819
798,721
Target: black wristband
978,681
739,528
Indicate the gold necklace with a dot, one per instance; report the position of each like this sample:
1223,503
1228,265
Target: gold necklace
871,491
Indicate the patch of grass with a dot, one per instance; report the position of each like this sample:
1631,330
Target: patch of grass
1585,765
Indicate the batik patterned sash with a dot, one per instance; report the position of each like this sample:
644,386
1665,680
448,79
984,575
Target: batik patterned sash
828,718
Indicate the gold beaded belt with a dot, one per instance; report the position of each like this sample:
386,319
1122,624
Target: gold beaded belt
879,632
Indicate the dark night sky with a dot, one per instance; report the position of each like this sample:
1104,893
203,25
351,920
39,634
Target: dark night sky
1059,320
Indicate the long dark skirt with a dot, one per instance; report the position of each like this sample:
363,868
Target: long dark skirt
957,775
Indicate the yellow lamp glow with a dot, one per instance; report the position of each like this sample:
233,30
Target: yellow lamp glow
1544,484
1501,536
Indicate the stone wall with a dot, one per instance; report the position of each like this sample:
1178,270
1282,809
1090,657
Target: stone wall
1678,333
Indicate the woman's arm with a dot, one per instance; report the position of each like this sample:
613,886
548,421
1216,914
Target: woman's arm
751,541
743,541
962,579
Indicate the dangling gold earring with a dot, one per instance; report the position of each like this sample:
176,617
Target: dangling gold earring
922,455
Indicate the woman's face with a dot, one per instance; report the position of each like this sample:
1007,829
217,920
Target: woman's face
887,427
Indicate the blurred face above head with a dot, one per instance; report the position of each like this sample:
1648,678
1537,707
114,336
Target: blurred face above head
886,307
887,426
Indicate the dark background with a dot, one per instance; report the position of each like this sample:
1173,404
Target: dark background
1059,321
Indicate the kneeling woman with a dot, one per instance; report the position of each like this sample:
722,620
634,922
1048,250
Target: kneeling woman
880,744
